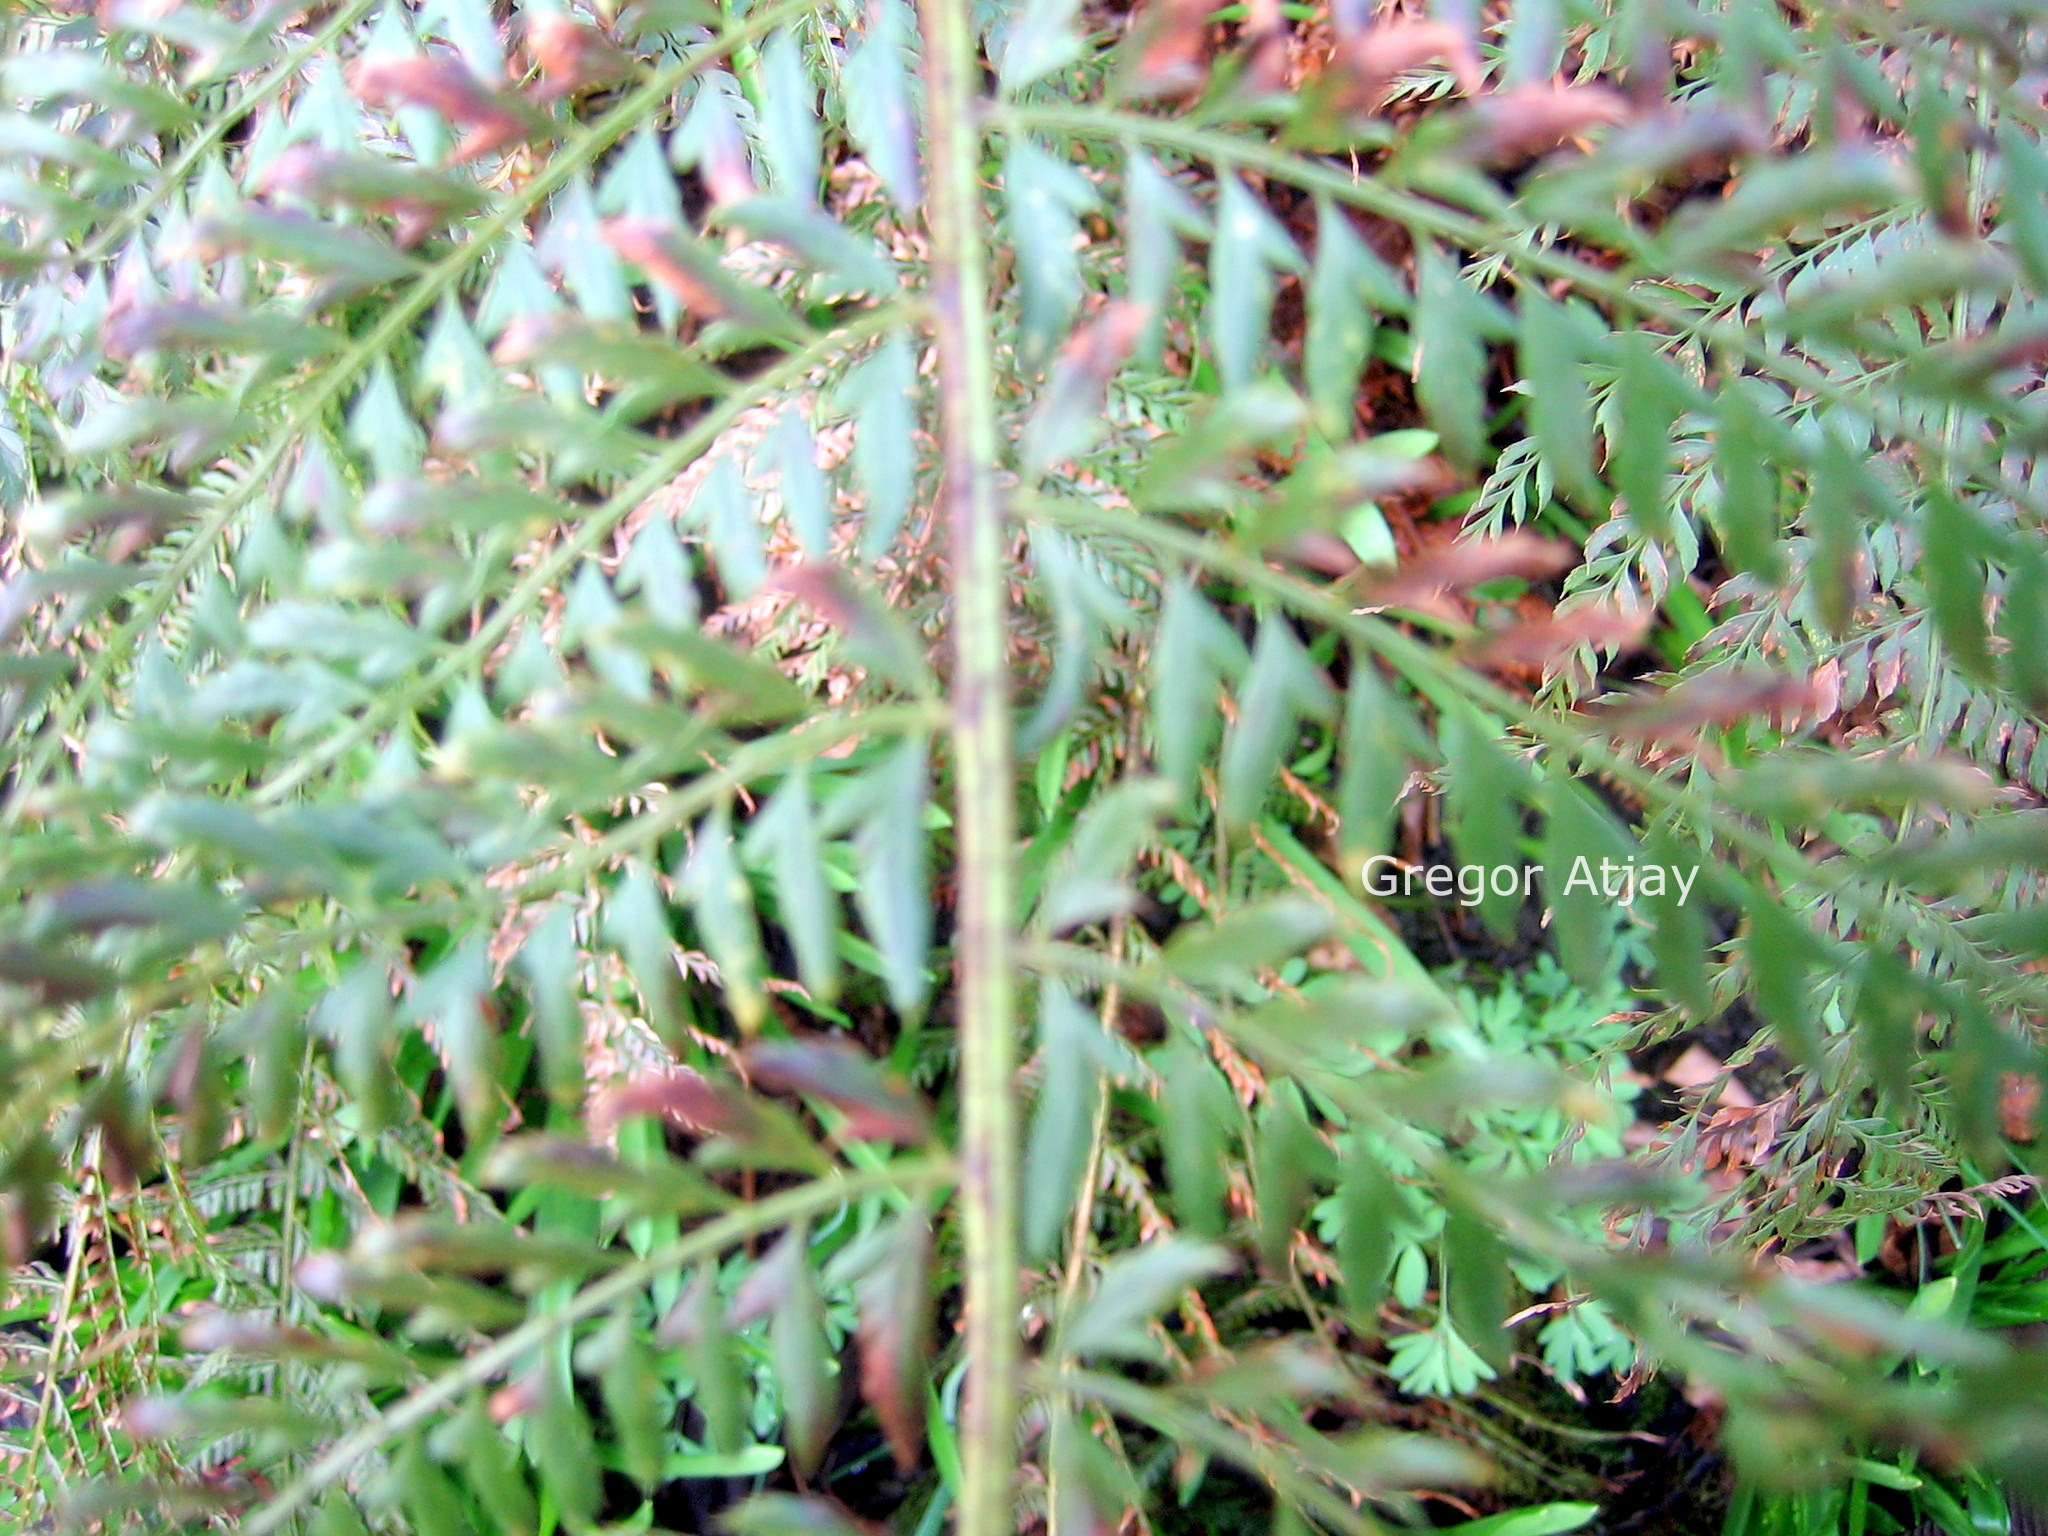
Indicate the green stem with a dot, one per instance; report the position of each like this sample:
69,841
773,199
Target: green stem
983,811
1195,1429
178,173
60,1325
1440,676
322,391
448,1388
40,1079
591,531
1650,299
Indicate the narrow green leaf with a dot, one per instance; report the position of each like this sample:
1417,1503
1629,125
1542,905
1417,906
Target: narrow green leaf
381,428
1084,607
1839,497
785,1514
806,499
1091,1489
658,568
1135,1287
1486,791
496,1480
1157,213
1538,1520
639,184
695,272
1649,395
1777,196
1534,44
276,1047
1253,937
574,245
895,892
1248,249
1044,198
1380,740
721,509
2023,625
894,1327
1781,954
1089,880
749,1461
853,262
723,903
453,364
449,998
1552,344
789,117
661,1187
356,1015
884,450
1747,479
742,687
1062,1120
558,1439
1579,842
1889,1004
1450,357
1288,1159
796,1340
877,1104
1195,1110
337,1516
1041,37
1983,1062
1678,929
632,1399
1067,419
1951,540
698,1323
1476,1284
636,920
1191,650
785,834
469,25
432,1502
1347,285
712,137
1281,685
2023,205
1202,469
1940,274
1368,1204
877,84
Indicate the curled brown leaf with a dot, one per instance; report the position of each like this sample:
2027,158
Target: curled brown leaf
489,119
1364,68
656,251
682,1098
2019,1106
1467,563
1717,698
1518,125
894,1327
1540,643
1169,49
1093,353
419,199
570,56
877,1107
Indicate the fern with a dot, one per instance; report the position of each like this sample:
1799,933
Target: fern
606,602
